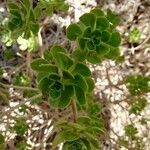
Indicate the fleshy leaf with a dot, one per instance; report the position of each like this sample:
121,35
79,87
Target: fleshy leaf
80,95
48,68
88,19
115,39
82,43
47,55
113,53
84,120
90,83
55,90
102,50
73,31
44,84
105,36
112,18
63,61
92,57
82,69
102,23
64,135
80,82
42,75
97,12
87,32
35,65
90,45
56,49
65,98
79,55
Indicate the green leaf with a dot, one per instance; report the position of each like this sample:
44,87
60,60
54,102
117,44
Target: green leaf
27,4
48,55
42,75
75,145
87,144
65,98
82,43
64,7
87,32
73,31
79,55
48,68
63,136
35,65
63,61
8,54
115,39
84,120
105,36
31,16
94,109
67,75
92,57
37,11
15,23
90,45
90,84
13,6
49,10
34,27
102,50
54,76
88,19
102,23
113,53
93,140
56,49
80,95
97,12
112,18
43,85
55,90
82,69
80,82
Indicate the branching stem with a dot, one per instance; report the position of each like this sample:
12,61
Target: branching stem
19,87
74,110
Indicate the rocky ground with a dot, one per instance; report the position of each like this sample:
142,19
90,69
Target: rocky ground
108,75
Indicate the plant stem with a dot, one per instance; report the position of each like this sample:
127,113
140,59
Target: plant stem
74,110
21,103
19,87
28,61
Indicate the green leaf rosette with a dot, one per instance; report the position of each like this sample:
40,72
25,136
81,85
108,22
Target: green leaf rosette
96,36
61,79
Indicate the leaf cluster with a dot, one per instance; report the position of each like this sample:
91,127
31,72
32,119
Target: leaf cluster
21,126
138,106
138,84
82,135
24,16
96,36
22,23
61,78
131,131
